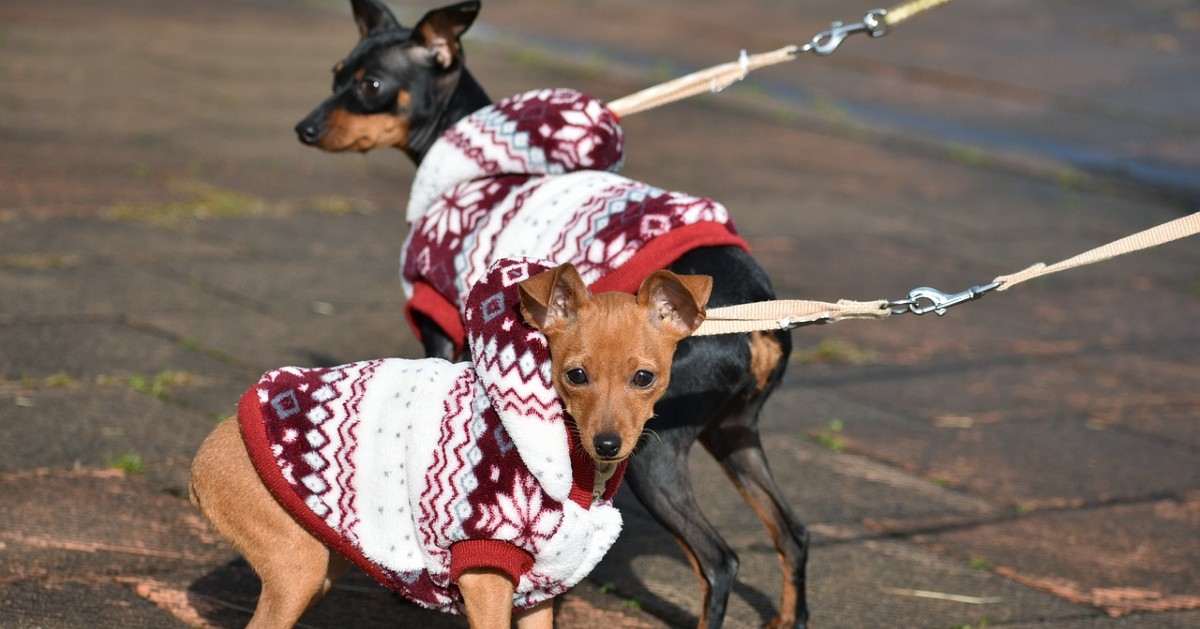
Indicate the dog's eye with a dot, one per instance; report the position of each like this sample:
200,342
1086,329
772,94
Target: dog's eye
577,376
643,378
369,87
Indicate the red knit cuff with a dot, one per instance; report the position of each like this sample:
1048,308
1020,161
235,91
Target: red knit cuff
427,301
660,252
489,553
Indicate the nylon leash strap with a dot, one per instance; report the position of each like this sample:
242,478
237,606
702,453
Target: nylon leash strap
787,314
876,23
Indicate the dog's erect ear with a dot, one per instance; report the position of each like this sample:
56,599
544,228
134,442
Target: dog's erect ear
373,16
551,298
676,302
440,29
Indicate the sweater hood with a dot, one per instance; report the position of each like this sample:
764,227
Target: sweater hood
543,132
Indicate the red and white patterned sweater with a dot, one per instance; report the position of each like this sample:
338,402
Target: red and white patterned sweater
535,175
416,470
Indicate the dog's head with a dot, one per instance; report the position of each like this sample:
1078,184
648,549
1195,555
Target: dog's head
611,353
394,87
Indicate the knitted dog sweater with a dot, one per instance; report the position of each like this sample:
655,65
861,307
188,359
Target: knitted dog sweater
535,175
416,470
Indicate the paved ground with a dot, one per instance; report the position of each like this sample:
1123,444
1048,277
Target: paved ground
164,239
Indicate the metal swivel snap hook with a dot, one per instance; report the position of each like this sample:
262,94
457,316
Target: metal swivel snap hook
925,300
826,42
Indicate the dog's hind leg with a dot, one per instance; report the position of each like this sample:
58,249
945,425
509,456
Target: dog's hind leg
295,568
740,453
658,475
735,443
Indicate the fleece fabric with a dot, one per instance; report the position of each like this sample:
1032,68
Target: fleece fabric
416,470
536,175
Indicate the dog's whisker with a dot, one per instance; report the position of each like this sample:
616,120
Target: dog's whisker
647,434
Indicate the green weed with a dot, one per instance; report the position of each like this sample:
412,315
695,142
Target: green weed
979,563
60,380
1069,178
337,206
833,351
204,201
831,436
159,385
969,155
129,462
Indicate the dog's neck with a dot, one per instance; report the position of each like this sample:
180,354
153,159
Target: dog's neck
465,98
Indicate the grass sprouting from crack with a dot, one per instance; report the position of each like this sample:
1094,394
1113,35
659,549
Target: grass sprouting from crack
338,206
159,385
203,200
128,462
58,380
979,563
831,436
833,351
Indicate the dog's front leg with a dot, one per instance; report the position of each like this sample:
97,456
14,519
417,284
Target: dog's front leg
540,616
488,597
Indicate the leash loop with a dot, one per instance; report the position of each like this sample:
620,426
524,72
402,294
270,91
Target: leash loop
825,43
925,300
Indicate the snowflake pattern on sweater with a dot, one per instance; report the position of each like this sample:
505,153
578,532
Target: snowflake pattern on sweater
535,175
416,470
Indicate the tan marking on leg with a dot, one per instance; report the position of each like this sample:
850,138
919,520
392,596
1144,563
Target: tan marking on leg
765,354
704,588
764,509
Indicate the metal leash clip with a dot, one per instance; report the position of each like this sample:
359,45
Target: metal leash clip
825,43
925,300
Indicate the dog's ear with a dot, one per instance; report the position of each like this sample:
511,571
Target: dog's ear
676,303
440,29
373,16
551,298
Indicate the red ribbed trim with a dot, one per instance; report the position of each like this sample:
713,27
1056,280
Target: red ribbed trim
427,301
663,250
489,553
657,254
254,434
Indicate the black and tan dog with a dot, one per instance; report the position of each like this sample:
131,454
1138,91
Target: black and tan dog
403,88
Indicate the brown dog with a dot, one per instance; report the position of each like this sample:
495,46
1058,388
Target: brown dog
610,355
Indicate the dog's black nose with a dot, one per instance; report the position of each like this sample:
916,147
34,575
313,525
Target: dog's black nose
607,445
308,132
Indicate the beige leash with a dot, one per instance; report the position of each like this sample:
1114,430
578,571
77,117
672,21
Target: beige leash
876,23
787,314
1173,230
